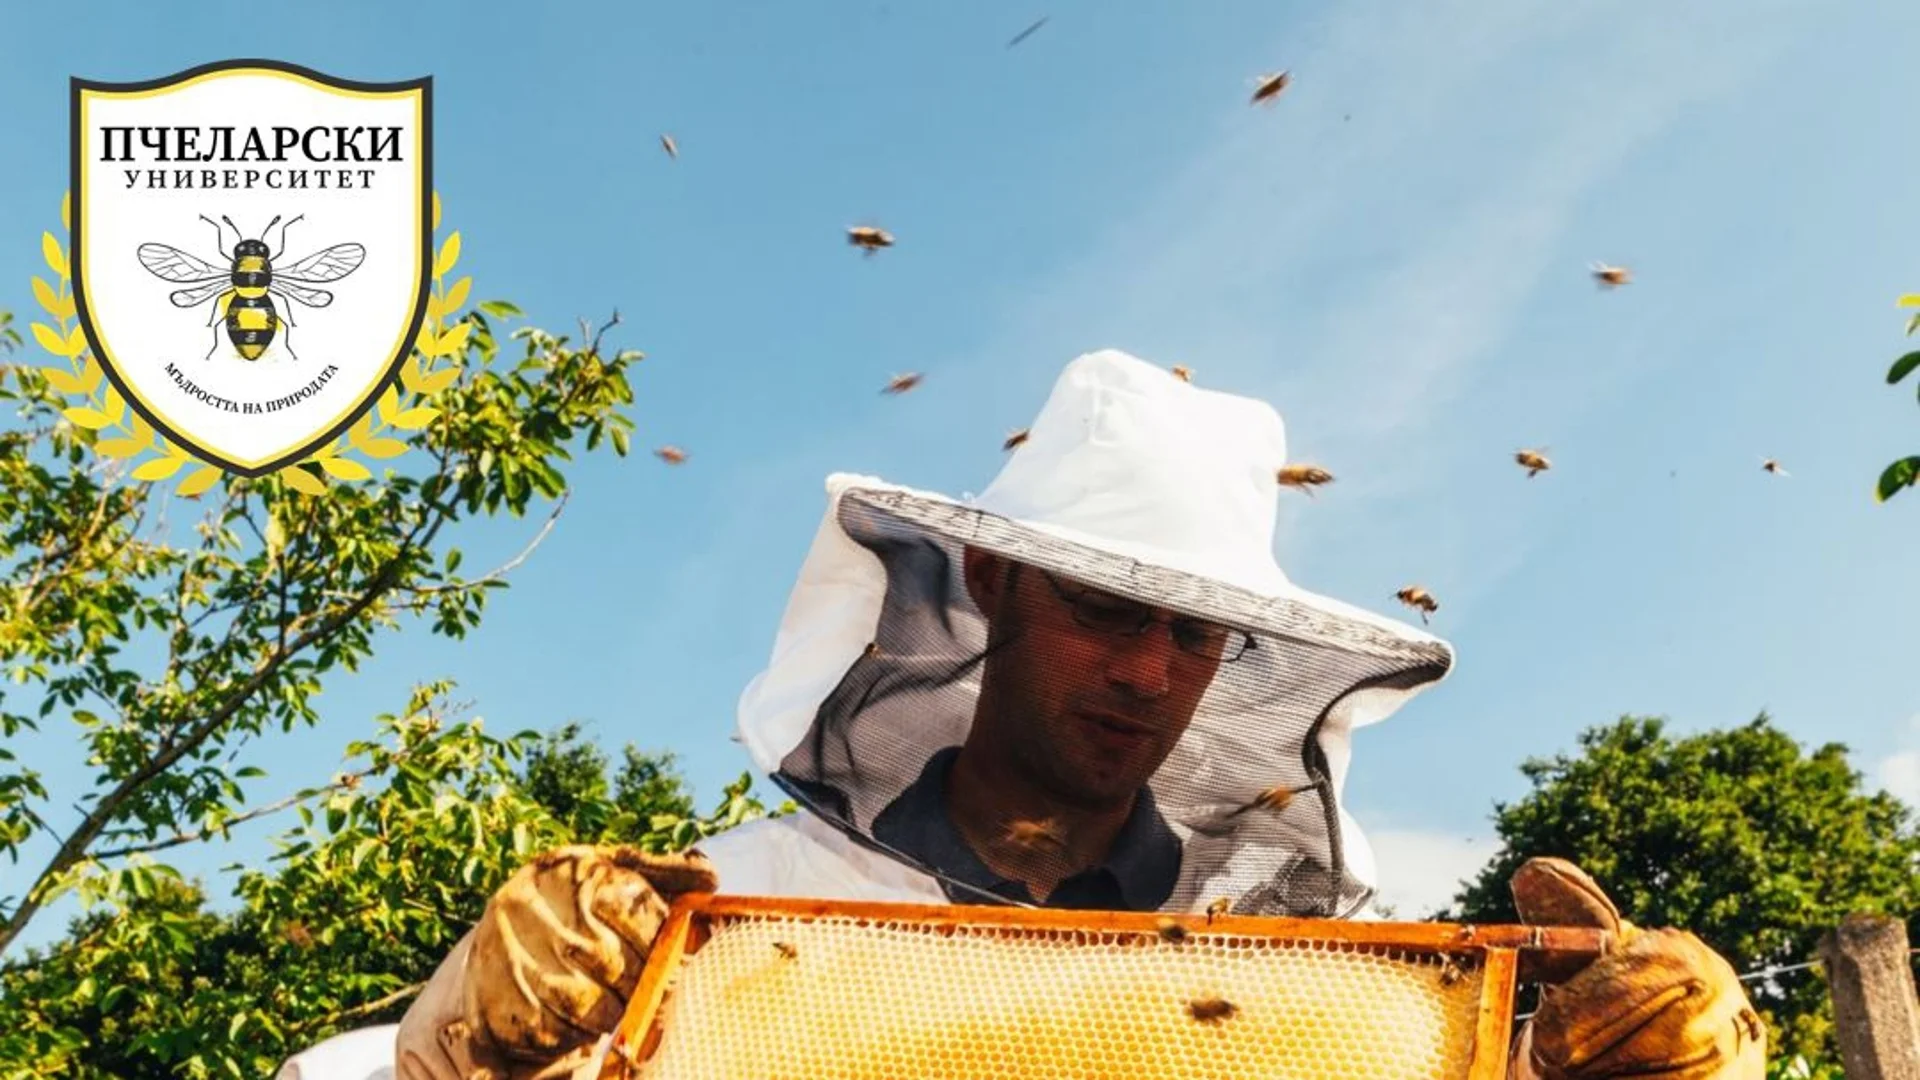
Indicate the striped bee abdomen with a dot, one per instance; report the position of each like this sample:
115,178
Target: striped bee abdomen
251,322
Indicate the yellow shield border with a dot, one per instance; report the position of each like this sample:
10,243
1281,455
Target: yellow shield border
421,88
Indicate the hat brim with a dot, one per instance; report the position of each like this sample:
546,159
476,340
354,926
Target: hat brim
1256,599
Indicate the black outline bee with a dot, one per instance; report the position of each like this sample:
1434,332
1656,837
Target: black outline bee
246,288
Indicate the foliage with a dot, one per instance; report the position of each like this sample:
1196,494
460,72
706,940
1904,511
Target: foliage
170,650
1734,835
1905,472
368,892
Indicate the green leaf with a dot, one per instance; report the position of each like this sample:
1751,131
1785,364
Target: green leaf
1903,367
1901,474
500,309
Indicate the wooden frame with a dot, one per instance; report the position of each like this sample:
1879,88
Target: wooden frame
1509,955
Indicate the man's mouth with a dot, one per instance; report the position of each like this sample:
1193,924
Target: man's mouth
1117,725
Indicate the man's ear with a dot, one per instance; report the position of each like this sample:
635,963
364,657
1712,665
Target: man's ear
986,577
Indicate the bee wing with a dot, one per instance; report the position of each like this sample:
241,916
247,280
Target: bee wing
199,294
172,264
330,265
316,298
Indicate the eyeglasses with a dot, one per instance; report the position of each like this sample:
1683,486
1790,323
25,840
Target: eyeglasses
1110,614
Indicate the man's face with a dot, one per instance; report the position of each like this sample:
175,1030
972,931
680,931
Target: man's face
1085,691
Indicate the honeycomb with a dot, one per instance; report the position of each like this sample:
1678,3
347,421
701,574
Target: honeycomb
785,997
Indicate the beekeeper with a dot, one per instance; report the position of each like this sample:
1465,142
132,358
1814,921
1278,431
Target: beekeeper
1091,686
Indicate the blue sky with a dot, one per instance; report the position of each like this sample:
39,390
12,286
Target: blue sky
1395,255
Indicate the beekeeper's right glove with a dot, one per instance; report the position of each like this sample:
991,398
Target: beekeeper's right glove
548,969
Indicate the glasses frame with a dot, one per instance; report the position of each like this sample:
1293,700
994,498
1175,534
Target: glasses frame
1081,615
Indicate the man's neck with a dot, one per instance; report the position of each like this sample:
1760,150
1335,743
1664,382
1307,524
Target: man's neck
1023,833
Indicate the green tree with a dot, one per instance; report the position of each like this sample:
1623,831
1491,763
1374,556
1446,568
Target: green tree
1905,472
383,873
169,652
1738,836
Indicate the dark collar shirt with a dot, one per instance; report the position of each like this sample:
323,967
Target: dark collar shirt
1139,875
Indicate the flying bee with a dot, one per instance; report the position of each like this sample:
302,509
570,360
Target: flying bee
1170,930
1034,834
900,384
1773,467
1218,908
672,148
869,238
1533,461
1014,438
1183,373
1416,597
1611,277
1268,87
1210,1010
1304,477
672,455
247,287
1450,972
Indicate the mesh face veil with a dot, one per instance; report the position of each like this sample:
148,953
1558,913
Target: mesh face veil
1092,687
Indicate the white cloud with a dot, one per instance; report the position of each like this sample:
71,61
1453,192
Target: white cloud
1421,871
1899,772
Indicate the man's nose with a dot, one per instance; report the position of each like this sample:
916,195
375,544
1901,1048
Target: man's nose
1142,664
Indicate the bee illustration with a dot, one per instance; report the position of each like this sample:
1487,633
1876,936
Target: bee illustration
672,148
1416,597
1611,277
1210,1010
1773,467
1268,87
672,455
247,287
900,384
1218,908
1304,477
1183,373
1034,834
1170,930
1014,438
869,238
786,950
1533,461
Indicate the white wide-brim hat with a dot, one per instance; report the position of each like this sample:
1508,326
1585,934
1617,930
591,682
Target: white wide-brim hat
1134,481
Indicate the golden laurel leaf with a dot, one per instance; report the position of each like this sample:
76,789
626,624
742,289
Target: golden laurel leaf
433,310
383,448
457,296
362,429
345,468
449,255
438,381
77,341
63,380
455,340
200,480
91,419
436,210
143,431
50,251
302,481
415,419
43,292
159,468
50,339
120,448
66,215
90,375
410,374
115,407
426,342
389,404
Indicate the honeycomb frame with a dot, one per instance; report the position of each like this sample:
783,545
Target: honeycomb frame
1501,958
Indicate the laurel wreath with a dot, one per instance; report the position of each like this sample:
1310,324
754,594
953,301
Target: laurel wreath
121,433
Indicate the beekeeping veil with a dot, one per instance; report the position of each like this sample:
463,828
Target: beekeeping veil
1135,497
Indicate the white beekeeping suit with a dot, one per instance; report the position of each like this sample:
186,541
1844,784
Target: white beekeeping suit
1092,686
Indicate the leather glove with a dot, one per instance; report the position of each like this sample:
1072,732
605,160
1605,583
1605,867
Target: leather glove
548,969
1659,1005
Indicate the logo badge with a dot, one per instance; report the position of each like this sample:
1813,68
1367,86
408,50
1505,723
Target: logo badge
252,247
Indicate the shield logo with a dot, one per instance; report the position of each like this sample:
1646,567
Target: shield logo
252,249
